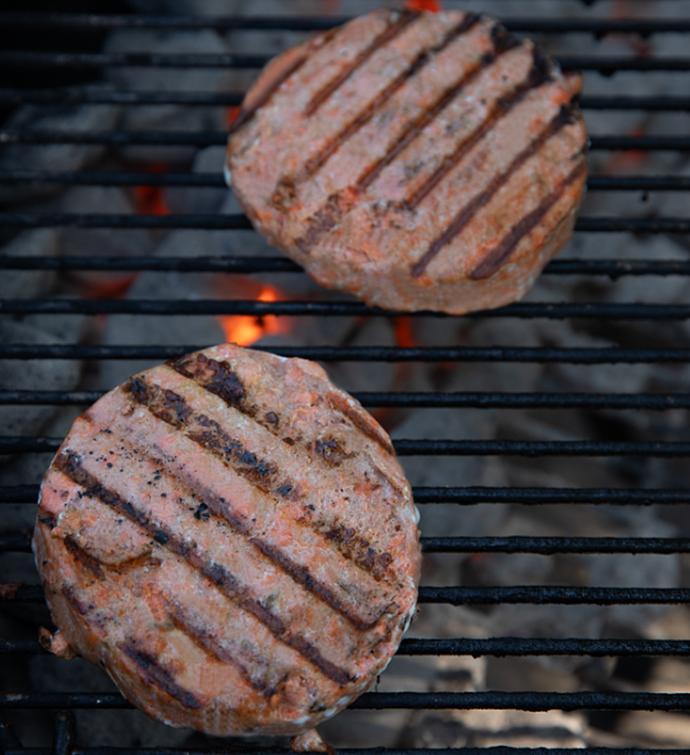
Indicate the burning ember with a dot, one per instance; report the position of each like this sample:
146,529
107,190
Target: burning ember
150,200
245,330
434,6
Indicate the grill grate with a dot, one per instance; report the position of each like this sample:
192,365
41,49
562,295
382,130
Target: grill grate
65,738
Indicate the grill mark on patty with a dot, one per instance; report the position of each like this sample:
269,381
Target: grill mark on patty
539,74
480,200
155,674
499,255
220,508
397,22
207,433
69,592
220,379
285,187
207,641
247,114
69,463
93,565
342,202
502,43
342,406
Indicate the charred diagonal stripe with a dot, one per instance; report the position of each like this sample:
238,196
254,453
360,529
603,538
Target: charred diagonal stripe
216,377
220,379
461,220
172,408
497,256
221,509
350,129
89,562
340,203
540,72
206,432
206,639
155,674
397,22
69,463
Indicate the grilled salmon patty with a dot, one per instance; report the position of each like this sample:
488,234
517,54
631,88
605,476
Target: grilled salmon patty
233,540
416,160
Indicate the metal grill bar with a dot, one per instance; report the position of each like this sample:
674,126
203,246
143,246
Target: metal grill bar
93,96
240,222
462,596
501,750
494,646
81,60
471,496
513,354
548,310
492,700
219,138
216,180
485,400
611,268
426,447
20,542
597,26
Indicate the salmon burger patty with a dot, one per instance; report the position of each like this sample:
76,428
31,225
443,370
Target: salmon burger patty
417,160
233,540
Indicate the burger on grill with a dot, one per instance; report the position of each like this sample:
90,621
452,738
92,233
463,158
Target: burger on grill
233,540
417,160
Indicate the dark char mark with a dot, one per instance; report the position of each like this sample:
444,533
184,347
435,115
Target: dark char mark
540,73
461,220
422,58
339,204
497,256
263,474
157,675
205,639
397,22
216,377
69,463
91,564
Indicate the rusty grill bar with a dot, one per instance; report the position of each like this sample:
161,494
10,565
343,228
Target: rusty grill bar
65,742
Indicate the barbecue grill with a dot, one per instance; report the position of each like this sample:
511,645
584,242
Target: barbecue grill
589,25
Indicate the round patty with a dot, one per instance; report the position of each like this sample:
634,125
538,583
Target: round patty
417,160
233,540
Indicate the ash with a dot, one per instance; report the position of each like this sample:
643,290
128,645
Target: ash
398,728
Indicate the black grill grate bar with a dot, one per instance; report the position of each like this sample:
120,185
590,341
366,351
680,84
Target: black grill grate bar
611,268
428,399
93,22
216,180
425,447
93,96
219,138
472,495
497,750
491,700
240,222
38,59
461,596
493,646
20,542
512,354
142,307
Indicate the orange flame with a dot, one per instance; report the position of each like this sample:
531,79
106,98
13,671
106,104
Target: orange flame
150,200
245,330
433,6
404,332
231,115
